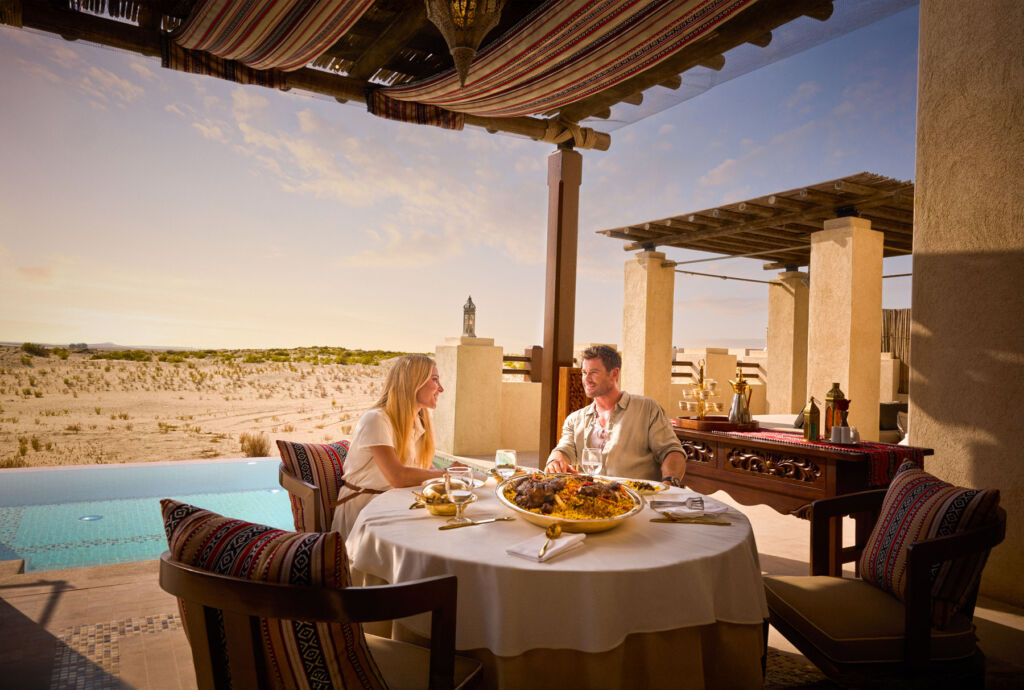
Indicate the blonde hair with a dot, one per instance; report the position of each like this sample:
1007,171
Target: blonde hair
398,401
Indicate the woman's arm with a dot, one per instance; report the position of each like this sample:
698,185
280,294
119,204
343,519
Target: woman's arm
395,472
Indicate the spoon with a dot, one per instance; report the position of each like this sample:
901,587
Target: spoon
552,531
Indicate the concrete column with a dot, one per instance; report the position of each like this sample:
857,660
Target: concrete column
967,338
467,420
647,328
565,173
787,343
845,317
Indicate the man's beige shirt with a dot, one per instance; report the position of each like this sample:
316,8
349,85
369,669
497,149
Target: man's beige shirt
639,438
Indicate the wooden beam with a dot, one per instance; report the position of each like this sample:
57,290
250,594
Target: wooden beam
634,98
724,214
736,228
715,62
754,210
762,41
786,203
406,24
673,82
751,23
847,187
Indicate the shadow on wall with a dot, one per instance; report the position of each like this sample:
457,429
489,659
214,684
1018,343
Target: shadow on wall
968,357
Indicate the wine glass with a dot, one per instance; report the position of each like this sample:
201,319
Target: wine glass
591,460
505,463
458,485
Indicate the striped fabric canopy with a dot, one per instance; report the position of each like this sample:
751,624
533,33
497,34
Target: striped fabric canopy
269,34
567,51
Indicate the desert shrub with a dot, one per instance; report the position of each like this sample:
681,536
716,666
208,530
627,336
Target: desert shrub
61,352
12,462
130,355
255,444
79,346
35,349
26,359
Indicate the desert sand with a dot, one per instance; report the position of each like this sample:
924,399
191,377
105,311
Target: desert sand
81,411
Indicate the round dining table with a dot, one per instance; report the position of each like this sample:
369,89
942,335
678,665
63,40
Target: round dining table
644,605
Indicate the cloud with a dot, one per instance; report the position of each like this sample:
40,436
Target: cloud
721,304
172,108
40,275
666,129
211,131
723,173
803,94
104,85
142,70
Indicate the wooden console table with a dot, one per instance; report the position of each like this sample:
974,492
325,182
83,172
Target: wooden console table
785,476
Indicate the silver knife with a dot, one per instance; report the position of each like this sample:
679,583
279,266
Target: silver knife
477,522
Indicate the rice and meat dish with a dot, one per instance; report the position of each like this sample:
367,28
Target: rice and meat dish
579,497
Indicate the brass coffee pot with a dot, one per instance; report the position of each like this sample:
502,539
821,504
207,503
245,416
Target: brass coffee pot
739,412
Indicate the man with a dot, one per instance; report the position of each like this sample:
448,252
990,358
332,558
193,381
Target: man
633,433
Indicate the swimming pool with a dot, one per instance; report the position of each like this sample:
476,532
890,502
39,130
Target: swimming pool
57,518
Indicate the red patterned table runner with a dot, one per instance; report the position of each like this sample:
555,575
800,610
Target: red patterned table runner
885,457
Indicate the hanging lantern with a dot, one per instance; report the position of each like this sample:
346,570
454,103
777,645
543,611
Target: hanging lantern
469,318
464,24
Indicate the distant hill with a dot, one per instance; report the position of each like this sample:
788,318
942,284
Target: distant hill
109,346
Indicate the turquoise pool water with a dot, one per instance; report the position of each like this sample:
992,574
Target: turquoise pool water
84,516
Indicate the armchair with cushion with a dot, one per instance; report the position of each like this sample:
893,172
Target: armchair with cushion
265,608
311,473
920,549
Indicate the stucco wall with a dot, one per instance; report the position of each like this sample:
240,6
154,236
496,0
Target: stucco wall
520,415
968,332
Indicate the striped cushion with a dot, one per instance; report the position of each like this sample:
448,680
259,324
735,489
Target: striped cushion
320,464
919,506
297,654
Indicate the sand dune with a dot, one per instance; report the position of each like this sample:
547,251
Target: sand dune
87,411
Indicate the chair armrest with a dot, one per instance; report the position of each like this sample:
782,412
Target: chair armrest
308,494
863,505
921,556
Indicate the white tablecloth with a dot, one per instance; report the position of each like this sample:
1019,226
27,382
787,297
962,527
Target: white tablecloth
639,577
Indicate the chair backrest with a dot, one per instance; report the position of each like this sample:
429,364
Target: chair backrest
282,604
319,465
222,617
570,394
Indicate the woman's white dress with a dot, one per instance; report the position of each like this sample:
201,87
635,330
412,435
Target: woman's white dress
373,429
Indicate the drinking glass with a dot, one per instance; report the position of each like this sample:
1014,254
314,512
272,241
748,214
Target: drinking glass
458,484
591,460
505,463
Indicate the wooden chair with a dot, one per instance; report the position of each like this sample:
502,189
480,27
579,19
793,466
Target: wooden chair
857,633
236,659
311,517
571,396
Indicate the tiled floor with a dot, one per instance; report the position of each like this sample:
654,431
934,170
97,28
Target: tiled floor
113,627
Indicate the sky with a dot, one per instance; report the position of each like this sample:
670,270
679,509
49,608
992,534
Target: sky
148,207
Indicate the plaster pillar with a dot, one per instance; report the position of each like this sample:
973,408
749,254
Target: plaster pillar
565,173
845,318
967,337
467,420
787,343
647,328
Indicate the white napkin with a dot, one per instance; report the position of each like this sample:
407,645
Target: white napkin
684,512
531,547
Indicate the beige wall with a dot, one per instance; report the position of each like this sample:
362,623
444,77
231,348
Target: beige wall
968,335
467,418
647,327
520,415
845,318
787,343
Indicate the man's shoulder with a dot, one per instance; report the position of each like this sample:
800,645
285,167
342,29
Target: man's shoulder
578,414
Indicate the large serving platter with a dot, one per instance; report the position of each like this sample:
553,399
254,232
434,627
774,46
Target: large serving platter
570,524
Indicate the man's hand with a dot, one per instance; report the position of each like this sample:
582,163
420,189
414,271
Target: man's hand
558,463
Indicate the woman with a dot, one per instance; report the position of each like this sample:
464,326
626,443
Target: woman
393,444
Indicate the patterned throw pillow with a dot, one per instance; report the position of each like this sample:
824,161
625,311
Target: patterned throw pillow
919,506
298,654
319,464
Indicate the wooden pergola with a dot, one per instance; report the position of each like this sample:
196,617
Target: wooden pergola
777,228
393,44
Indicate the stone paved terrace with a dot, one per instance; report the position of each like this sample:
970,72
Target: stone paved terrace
113,627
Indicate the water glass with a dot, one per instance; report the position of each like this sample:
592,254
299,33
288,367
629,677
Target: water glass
458,484
505,463
591,460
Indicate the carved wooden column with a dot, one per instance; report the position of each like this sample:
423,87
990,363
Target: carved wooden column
565,172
